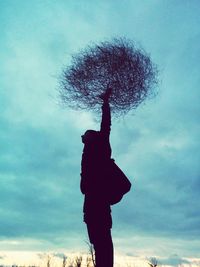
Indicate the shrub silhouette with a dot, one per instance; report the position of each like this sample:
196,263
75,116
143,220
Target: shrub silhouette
117,64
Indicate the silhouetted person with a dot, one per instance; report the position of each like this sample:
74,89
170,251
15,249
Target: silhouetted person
97,212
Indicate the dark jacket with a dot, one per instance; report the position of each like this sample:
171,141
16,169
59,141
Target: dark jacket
95,159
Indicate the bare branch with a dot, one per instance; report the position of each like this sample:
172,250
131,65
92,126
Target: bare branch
118,64
153,262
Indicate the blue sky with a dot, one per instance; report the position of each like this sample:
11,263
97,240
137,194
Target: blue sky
157,145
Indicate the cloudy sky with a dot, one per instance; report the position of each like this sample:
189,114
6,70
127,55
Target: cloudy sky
157,145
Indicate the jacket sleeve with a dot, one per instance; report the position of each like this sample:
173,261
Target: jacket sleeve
84,174
87,174
82,185
106,120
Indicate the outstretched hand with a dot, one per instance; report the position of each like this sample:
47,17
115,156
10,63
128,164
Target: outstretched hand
105,96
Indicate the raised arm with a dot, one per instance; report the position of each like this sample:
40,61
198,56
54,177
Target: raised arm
106,120
106,115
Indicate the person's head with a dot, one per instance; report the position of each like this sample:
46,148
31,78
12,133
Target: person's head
90,136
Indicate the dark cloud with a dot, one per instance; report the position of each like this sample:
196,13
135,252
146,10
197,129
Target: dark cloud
38,181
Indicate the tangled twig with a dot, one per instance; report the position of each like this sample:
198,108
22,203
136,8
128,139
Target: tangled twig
118,64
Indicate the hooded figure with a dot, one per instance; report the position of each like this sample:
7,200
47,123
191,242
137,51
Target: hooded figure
94,179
